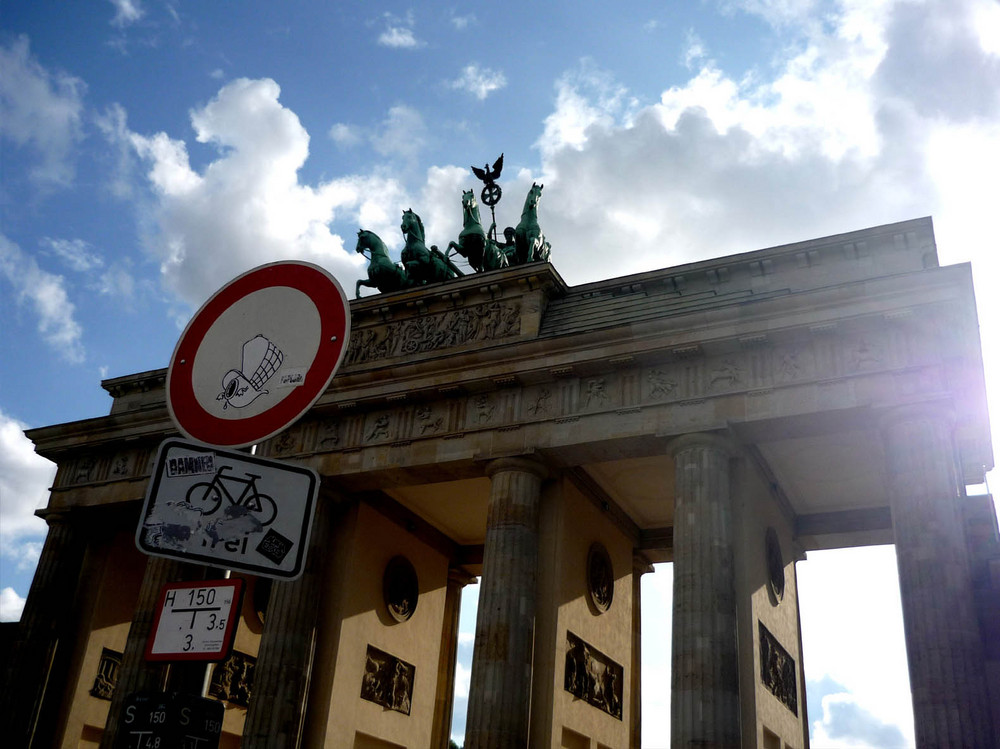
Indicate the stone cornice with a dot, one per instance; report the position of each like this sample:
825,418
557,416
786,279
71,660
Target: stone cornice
477,368
878,360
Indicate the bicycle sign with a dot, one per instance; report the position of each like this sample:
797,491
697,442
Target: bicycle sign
228,509
206,496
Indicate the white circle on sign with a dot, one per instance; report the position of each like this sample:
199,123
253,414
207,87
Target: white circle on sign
242,366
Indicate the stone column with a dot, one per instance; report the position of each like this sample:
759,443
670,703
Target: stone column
500,688
705,698
640,566
943,642
277,712
42,649
135,674
444,702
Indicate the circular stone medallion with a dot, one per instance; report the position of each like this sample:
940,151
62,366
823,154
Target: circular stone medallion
400,588
775,564
600,577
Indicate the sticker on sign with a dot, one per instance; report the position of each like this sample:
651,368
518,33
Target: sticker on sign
228,509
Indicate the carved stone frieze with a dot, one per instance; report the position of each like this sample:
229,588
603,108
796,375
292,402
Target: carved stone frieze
378,428
232,680
490,321
828,359
387,681
789,365
95,468
121,466
85,470
429,422
597,393
777,670
329,435
661,385
483,410
107,674
287,443
592,676
726,375
540,402
863,355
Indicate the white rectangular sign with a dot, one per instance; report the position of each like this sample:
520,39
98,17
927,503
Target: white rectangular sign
228,509
195,621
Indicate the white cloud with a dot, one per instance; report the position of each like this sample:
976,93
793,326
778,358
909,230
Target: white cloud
843,134
403,133
48,297
694,50
116,282
113,124
398,37
480,82
776,12
843,722
25,478
463,676
441,204
78,254
127,12
586,97
346,136
463,22
11,605
247,206
41,111
398,32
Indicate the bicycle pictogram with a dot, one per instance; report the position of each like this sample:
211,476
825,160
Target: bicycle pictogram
207,496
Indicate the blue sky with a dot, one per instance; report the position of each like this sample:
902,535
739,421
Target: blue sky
150,151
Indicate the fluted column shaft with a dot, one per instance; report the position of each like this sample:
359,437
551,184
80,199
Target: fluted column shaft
135,674
640,566
943,641
444,701
44,629
500,688
705,709
277,712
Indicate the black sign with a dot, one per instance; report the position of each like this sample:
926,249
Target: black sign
157,720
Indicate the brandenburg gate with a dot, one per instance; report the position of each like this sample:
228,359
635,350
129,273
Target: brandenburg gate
553,442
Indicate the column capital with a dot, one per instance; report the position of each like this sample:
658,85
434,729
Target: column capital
461,578
641,563
709,440
938,411
519,465
54,517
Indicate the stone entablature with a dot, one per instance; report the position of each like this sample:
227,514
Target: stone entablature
507,351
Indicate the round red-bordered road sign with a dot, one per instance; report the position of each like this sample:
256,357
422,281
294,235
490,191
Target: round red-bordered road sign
258,354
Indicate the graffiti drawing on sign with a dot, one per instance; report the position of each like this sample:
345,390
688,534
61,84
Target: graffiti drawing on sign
241,387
